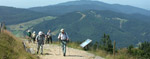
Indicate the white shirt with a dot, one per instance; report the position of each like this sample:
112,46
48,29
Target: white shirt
49,34
63,36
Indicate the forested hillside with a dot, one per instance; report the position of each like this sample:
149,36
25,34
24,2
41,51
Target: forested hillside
125,29
11,15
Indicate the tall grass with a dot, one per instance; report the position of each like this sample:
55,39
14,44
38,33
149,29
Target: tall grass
12,48
120,54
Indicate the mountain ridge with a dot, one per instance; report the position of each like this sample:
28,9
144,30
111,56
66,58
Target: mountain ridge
88,5
12,15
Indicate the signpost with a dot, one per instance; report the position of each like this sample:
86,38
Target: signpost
85,43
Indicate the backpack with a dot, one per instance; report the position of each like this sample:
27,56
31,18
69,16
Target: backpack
29,34
40,37
33,35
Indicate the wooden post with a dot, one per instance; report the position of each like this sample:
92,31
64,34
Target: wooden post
0,27
3,25
114,49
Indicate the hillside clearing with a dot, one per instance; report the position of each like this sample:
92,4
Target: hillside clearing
18,29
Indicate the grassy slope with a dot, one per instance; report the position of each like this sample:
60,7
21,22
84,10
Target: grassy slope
18,29
11,48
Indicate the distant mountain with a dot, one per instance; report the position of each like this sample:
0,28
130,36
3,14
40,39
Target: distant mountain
11,15
72,6
125,29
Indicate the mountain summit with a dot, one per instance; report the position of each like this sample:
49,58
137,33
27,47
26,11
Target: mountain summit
82,5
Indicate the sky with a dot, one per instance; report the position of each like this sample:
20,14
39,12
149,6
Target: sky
35,3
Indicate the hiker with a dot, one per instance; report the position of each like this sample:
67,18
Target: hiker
33,36
49,37
29,35
40,41
63,37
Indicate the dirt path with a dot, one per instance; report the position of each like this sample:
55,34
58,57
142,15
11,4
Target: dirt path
52,51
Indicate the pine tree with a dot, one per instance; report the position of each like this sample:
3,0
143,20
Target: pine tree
130,49
145,47
106,43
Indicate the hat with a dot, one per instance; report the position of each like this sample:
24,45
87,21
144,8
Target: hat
33,31
62,30
40,33
28,31
49,30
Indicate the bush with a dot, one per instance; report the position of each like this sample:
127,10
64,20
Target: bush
143,51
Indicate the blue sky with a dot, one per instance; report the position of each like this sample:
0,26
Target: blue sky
34,3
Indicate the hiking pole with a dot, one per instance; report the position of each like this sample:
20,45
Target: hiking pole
59,46
68,48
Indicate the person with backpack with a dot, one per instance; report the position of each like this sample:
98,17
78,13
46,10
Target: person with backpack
29,36
40,41
33,36
63,38
49,37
